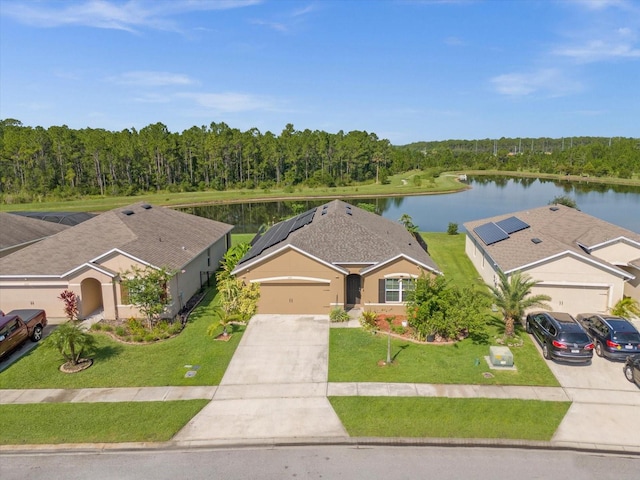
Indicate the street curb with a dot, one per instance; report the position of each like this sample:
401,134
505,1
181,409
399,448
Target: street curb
355,442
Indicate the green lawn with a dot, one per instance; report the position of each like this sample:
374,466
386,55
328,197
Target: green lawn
354,355
448,253
449,417
400,184
120,365
55,423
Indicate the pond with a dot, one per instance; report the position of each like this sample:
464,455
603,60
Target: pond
488,196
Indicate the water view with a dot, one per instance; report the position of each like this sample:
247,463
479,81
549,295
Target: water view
487,196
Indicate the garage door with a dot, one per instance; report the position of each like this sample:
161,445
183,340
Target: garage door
575,299
294,298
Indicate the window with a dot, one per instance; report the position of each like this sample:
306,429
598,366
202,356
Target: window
124,294
398,289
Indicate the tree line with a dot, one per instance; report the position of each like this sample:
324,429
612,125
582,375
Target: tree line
61,162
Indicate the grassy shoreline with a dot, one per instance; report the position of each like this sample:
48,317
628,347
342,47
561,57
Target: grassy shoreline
399,185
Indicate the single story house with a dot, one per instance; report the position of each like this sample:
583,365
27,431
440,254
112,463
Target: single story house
91,257
17,231
335,255
583,263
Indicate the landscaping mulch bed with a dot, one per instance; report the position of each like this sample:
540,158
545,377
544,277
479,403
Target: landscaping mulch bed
83,364
406,333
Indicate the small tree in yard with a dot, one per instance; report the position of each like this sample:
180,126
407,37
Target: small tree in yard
148,291
71,341
626,307
436,308
513,296
238,301
70,300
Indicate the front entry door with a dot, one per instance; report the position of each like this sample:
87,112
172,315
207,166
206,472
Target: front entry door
353,289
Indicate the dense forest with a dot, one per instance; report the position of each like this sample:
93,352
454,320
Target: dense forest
60,162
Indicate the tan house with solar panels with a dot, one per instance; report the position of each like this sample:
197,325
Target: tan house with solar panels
336,255
583,263
91,257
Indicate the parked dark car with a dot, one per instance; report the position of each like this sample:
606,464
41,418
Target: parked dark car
560,336
632,369
614,337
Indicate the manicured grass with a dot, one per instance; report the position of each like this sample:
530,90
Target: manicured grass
449,417
238,238
120,365
448,253
54,423
354,355
396,186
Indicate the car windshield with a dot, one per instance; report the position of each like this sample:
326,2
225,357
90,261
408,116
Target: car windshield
626,337
575,337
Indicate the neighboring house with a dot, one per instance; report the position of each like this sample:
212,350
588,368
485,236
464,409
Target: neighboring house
583,263
90,258
335,255
18,232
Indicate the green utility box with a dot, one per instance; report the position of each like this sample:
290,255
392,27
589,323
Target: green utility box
501,356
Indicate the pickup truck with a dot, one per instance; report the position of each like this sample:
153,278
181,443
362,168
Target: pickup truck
19,325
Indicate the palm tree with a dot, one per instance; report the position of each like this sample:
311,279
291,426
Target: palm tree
513,296
71,341
626,307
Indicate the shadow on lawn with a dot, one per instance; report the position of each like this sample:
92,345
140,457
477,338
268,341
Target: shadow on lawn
402,348
109,351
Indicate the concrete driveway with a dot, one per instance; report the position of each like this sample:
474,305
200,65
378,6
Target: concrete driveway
605,408
274,387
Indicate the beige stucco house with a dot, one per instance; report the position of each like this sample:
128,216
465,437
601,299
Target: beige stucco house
335,255
583,263
91,257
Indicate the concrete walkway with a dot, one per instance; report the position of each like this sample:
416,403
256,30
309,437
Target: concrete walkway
275,391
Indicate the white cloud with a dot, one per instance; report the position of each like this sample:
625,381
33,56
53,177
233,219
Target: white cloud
229,102
151,79
600,4
288,21
549,81
598,50
109,14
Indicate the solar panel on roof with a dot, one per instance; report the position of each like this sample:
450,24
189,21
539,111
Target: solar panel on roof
512,225
279,233
491,233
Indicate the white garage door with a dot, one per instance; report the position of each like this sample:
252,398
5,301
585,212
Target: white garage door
294,298
575,299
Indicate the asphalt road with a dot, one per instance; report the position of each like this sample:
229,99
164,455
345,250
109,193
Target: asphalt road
320,462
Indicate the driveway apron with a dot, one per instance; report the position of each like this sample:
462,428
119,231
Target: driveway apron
275,385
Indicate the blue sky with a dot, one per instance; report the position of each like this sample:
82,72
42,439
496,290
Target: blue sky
406,70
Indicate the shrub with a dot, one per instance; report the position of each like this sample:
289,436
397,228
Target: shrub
121,331
368,320
452,229
339,315
96,326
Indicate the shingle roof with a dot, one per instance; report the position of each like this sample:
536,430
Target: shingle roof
559,228
18,230
359,237
158,236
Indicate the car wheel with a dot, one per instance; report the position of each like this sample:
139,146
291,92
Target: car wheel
599,349
528,327
628,372
37,334
545,351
